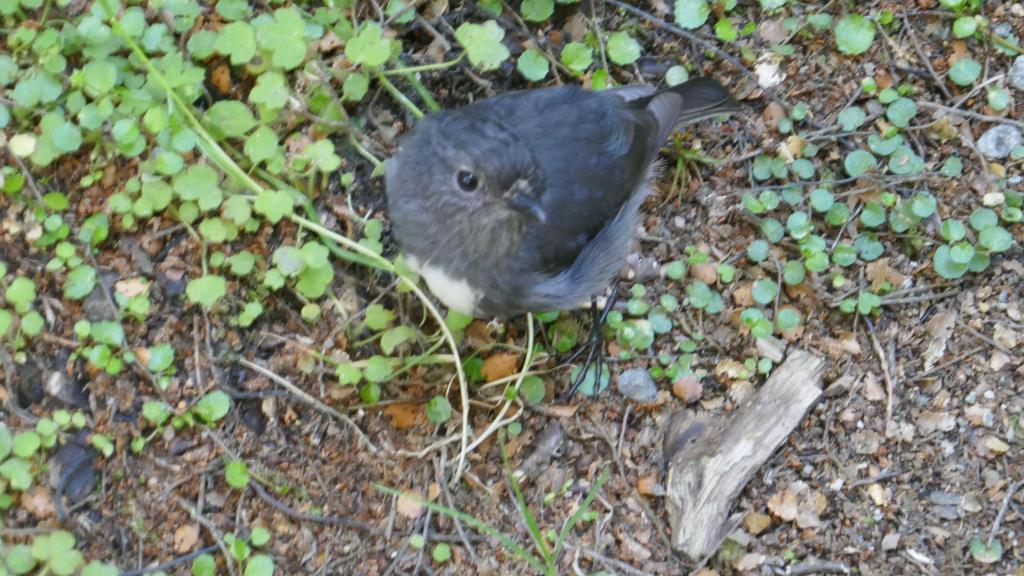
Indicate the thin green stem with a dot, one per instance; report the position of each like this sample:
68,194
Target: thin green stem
580,510
310,211
531,523
423,67
600,42
46,12
427,357
206,141
423,92
354,141
397,94
480,525
1004,43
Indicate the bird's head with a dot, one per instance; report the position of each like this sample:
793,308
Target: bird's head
459,164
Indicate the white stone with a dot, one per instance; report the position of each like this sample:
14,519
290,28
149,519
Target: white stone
768,71
993,199
1016,76
998,141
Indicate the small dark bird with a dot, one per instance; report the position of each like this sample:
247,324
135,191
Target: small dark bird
529,201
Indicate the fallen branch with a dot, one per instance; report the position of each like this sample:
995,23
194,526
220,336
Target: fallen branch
705,476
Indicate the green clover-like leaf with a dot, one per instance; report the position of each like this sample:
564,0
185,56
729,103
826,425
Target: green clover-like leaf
692,14
237,474
439,410
231,118
271,90
859,162
577,56
284,38
854,34
965,71
237,40
206,290
369,47
483,44
532,65
537,10
623,49
212,407
273,205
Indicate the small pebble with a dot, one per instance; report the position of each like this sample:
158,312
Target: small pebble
999,141
1016,76
96,306
637,385
940,498
642,269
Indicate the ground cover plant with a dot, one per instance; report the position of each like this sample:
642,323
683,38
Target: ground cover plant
214,361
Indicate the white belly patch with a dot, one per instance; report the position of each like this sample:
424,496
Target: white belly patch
455,293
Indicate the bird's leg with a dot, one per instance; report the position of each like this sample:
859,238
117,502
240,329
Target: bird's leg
594,346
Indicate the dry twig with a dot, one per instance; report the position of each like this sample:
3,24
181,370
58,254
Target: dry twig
889,386
218,536
1002,510
311,401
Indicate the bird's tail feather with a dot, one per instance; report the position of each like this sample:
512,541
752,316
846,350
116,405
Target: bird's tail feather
686,103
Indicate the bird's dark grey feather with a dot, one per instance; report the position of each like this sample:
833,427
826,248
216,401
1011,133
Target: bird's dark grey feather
598,163
586,153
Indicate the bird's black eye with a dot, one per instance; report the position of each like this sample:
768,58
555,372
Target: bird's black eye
467,180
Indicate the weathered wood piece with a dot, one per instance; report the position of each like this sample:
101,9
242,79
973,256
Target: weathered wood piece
706,475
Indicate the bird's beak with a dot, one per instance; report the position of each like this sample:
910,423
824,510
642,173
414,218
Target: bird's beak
520,198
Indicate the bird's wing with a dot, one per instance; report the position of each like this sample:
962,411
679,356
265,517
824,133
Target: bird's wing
593,150
652,117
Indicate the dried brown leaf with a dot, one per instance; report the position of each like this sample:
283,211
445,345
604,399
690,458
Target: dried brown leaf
879,272
729,370
940,328
408,505
979,416
879,494
500,365
403,414
872,391
38,501
749,562
131,287
783,505
687,388
930,421
995,445
756,522
1007,337
185,538
809,510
